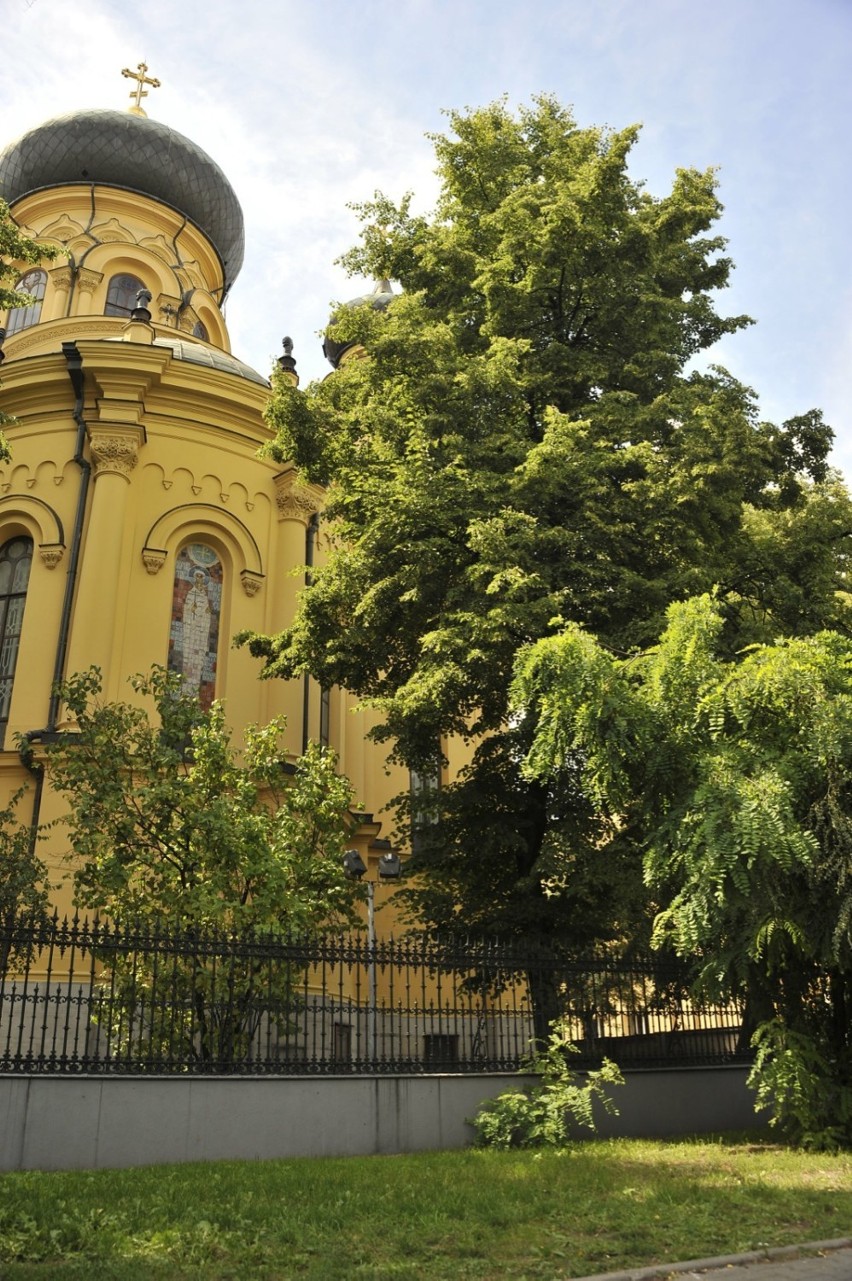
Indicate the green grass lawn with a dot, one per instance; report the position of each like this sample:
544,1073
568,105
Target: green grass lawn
475,1214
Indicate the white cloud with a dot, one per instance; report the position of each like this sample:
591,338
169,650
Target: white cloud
306,107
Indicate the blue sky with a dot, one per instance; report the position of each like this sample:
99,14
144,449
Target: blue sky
307,106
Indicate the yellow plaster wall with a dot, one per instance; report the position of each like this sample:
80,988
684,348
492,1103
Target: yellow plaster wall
173,448
102,232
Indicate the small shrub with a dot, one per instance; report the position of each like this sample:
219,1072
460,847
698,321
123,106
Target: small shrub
541,1115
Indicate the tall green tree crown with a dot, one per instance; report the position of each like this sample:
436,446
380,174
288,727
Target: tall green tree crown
529,442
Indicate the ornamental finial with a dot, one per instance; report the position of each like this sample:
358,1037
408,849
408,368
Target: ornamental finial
139,93
286,362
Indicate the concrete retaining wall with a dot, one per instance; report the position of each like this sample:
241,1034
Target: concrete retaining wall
59,1123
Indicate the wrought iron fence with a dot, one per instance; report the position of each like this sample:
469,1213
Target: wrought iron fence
96,998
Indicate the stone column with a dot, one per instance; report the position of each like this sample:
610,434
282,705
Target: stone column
103,570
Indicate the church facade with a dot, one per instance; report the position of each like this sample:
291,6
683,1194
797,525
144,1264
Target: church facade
140,522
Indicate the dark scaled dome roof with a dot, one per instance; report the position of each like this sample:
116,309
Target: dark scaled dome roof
120,149
380,297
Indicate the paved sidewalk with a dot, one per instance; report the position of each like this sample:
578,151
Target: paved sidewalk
834,1265
813,1261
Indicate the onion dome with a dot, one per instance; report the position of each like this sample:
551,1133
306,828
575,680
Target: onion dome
378,299
129,151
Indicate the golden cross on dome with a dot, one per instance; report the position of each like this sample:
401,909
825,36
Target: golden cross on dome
139,93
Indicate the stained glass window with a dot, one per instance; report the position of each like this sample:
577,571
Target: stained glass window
15,560
196,609
33,283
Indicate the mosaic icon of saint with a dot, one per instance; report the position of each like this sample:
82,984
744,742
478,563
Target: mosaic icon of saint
196,622
194,628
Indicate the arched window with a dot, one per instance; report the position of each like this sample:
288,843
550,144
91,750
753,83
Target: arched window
199,330
33,283
15,559
121,295
196,608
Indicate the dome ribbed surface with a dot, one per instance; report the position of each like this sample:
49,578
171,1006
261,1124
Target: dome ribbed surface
117,149
184,349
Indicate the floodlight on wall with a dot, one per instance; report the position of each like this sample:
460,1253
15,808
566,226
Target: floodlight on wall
390,867
353,864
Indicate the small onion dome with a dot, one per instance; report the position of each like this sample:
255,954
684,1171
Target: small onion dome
121,149
378,299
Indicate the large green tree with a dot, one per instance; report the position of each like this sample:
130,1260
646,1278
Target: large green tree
735,776
171,827
527,442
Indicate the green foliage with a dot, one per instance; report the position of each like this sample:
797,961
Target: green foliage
428,1216
168,824
15,250
737,783
811,1096
167,821
24,881
525,449
544,1115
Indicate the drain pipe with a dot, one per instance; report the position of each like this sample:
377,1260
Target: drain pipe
74,361
310,543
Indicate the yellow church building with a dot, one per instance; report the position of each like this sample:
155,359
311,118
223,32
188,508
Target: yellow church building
139,522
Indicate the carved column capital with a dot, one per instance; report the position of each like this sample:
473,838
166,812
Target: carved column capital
114,451
251,581
61,278
88,280
294,499
51,553
153,559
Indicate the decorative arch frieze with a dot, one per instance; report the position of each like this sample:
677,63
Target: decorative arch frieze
63,228
160,246
111,232
203,521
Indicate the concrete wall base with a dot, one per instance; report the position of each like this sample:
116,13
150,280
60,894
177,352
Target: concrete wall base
65,1123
